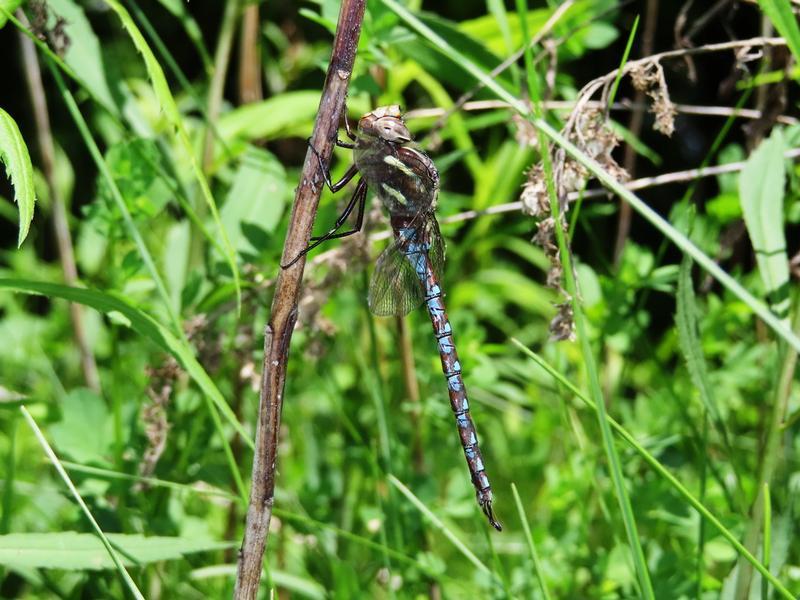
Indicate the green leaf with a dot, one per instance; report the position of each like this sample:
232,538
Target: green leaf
14,154
257,197
85,551
83,410
761,192
84,53
132,164
689,340
290,113
782,17
142,324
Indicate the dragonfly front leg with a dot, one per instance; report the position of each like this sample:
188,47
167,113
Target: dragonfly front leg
357,199
326,172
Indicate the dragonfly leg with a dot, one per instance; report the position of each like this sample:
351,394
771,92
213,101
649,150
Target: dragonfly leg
358,198
326,172
347,128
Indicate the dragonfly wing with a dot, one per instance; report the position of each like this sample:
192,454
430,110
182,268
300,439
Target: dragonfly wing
437,246
394,288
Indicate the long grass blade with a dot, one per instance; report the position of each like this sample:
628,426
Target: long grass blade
537,565
438,524
565,254
75,494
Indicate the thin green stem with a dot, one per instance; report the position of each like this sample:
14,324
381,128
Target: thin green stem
625,55
438,524
75,494
615,467
537,565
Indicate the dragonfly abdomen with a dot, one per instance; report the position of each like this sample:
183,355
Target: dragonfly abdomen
417,254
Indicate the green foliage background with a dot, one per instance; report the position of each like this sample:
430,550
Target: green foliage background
373,497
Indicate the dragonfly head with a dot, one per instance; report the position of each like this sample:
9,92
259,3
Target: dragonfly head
386,123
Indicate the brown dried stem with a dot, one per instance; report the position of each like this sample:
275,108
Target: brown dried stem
588,91
278,331
635,125
66,252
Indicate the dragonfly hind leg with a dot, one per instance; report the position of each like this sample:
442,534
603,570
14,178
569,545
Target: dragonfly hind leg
358,199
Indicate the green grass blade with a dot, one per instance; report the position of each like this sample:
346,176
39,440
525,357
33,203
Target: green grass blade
691,348
663,473
766,551
537,565
70,550
565,254
54,460
782,15
14,154
204,489
438,524
623,62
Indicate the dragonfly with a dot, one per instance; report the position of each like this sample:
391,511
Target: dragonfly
408,272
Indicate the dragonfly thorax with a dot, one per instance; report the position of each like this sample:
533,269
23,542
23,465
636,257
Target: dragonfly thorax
404,177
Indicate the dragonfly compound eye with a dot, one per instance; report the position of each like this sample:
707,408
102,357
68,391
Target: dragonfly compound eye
393,130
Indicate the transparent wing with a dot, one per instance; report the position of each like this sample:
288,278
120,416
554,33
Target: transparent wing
437,248
395,288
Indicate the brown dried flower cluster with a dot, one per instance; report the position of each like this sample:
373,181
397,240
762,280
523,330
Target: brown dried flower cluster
589,131
649,78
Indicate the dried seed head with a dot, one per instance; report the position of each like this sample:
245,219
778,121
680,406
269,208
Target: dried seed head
649,78
562,327
524,131
534,194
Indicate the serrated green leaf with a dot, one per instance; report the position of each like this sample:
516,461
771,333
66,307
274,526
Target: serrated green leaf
761,192
132,164
14,155
686,323
142,324
85,551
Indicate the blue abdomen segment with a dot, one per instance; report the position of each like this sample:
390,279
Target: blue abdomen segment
417,254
